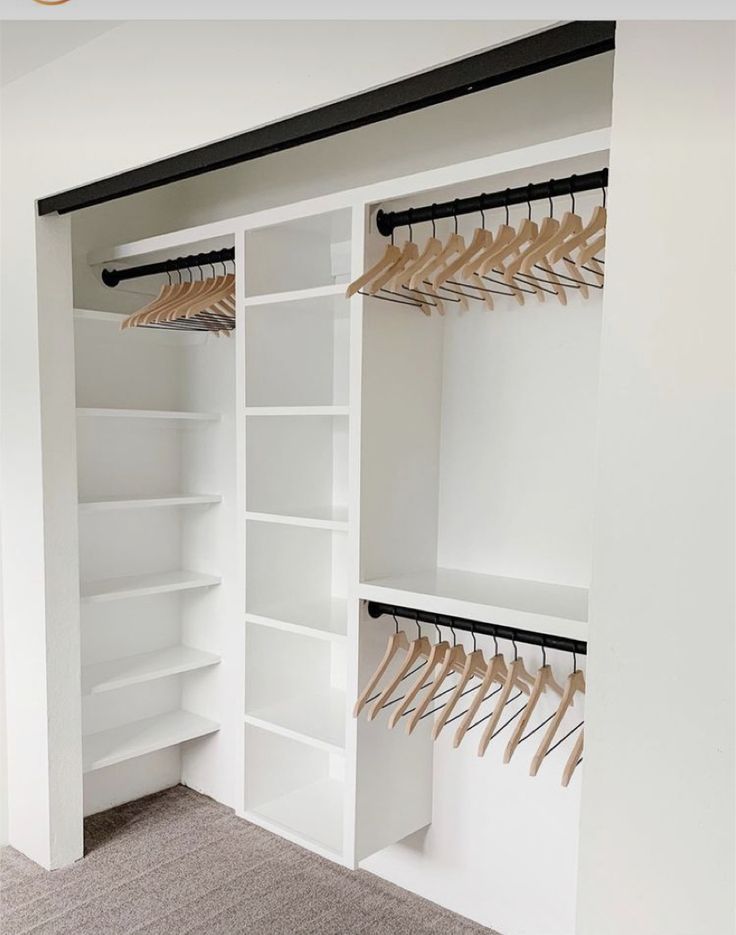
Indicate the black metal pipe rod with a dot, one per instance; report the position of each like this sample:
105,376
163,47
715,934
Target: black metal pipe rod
377,609
388,221
111,277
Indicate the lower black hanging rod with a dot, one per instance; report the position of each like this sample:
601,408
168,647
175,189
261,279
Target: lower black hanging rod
111,277
388,221
480,628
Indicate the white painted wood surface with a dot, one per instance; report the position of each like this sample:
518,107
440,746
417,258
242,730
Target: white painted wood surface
103,504
113,589
131,670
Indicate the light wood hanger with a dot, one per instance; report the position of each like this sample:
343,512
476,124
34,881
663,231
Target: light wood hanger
409,253
454,661
397,641
482,239
496,671
475,667
575,683
544,680
573,760
390,256
588,253
220,288
169,294
596,223
516,677
417,648
455,244
436,656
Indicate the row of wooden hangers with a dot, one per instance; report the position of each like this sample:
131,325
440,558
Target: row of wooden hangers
482,678
515,262
192,304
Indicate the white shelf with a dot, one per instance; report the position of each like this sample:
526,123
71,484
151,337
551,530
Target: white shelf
146,667
331,517
297,410
325,621
131,740
149,414
113,589
297,295
90,314
317,720
311,815
103,504
556,609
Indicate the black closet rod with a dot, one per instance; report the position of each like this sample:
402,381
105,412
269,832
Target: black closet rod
111,277
388,221
480,628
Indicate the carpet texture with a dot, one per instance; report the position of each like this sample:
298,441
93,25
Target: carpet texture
177,863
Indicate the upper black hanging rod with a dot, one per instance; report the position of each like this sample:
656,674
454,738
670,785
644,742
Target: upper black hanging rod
388,221
111,277
480,628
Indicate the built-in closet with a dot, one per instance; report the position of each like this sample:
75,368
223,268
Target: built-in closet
245,497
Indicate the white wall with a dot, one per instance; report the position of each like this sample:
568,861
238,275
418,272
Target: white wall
657,845
89,114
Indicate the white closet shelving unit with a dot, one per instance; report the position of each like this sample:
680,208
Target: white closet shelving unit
337,451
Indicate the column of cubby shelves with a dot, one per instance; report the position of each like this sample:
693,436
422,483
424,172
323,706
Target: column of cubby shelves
297,412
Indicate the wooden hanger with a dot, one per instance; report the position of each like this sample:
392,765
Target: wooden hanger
455,244
573,760
417,648
588,253
454,661
390,256
496,671
221,287
544,680
575,683
475,667
438,652
409,253
397,641
482,239
192,289
516,677
168,294
596,223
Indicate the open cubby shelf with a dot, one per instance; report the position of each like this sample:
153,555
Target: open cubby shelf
112,589
144,667
104,504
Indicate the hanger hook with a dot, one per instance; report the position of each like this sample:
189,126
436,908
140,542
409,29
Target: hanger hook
472,632
544,653
516,649
168,275
549,198
482,212
437,628
603,189
574,662
529,199
454,635
572,191
396,624
506,205
454,213
434,226
411,231
416,621
495,642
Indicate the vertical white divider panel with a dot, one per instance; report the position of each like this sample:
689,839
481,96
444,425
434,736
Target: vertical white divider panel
40,553
357,253
238,643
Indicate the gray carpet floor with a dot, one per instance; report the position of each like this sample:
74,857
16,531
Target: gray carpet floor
177,863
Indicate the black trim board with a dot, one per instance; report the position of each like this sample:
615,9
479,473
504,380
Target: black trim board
529,55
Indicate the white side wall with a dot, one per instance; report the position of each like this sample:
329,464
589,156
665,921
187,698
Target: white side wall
657,847
90,114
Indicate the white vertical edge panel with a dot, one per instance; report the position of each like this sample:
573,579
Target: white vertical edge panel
657,812
61,659
238,643
357,253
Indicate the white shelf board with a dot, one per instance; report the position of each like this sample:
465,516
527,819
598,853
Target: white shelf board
144,667
310,816
149,414
556,609
317,719
108,747
297,295
91,314
112,589
330,517
326,620
101,504
297,410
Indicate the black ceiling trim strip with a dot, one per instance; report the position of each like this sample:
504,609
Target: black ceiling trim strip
530,55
